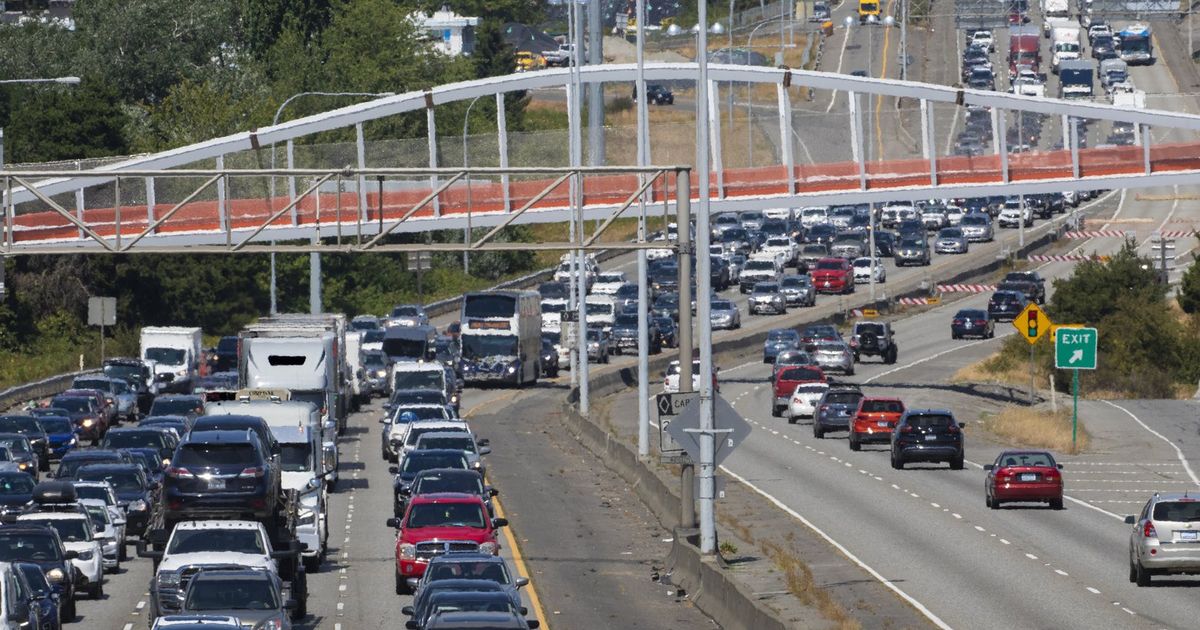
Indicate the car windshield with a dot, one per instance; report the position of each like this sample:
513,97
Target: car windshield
876,329
422,379
405,311
863,262
92,383
883,406
800,374
554,307
69,529
760,264
781,335
779,242
93,492
971,315
817,388
67,467
1005,296
1178,511
176,406
843,398
296,457
226,454
73,404
98,513
722,305
794,282
16,483
766,287
124,372
27,547
118,479
446,515
467,570
974,220
829,264
418,461
930,421
950,233
464,443
373,336
914,243
232,594
599,308
206,540
820,331
816,248
629,320
439,482
134,439
166,356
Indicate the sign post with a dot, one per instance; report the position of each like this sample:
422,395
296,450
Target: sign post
670,407
1075,349
1032,324
102,311
420,262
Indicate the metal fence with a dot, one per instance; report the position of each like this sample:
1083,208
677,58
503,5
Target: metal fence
21,394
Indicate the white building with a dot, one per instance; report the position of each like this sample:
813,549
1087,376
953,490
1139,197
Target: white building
451,33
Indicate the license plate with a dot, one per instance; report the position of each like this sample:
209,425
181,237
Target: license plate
1028,477
968,324
216,484
881,423
1189,535
930,438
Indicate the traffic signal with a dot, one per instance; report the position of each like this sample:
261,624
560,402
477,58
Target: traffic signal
1031,321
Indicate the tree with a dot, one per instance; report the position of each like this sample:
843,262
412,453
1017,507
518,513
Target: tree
1096,288
266,20
49,124
1189,290
193,112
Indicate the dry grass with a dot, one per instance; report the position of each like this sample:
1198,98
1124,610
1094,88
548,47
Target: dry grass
995,369
1025,426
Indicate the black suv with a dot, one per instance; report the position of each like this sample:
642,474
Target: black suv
416,462
136,493
927,435
220,474
237,422
32,429
1004,306
1034,286
874,339
440,480
75,460
40,545
625,335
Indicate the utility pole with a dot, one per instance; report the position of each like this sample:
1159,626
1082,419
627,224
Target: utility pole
687,514
1160,245
595,51
708,531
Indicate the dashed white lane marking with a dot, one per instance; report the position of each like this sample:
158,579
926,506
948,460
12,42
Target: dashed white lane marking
1004,541
956,515
341,605
1128,611
342,587
1093,591
1060,572
979,529
1031,556
128,626
935,505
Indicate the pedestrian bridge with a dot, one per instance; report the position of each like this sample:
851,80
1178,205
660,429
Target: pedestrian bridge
186,198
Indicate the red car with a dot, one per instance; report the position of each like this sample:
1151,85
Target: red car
874,421
786,381
435,524
1024,476
833,275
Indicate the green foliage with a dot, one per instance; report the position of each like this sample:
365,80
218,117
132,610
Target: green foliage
1189,290
265,20
50,124
1094,291
192,112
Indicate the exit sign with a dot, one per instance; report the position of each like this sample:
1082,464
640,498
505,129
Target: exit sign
1075,348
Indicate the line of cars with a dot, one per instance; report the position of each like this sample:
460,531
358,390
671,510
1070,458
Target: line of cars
447,542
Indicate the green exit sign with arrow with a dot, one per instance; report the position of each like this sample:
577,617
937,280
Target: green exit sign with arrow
1075,348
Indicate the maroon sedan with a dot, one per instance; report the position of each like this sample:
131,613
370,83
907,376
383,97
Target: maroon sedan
1024,476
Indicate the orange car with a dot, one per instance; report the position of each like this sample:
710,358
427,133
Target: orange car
874,421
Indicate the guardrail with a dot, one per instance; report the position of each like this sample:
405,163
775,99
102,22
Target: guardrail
14,396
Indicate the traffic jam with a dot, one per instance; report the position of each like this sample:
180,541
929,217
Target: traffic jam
217,465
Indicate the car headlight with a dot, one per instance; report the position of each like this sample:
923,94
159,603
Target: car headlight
308,517
512,369
86,554
380,373
269,624
55,575
73,441
24,465
488,547
137,505
408,551
88,422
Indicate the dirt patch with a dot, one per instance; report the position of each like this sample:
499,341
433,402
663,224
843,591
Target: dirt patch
1039,428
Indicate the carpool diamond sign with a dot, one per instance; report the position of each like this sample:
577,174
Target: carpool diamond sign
1075,348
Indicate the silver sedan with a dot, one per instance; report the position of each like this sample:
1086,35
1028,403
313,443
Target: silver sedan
724,314
834,356
950,240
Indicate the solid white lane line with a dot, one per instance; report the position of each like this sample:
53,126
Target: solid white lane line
1178,453
932,357
934,619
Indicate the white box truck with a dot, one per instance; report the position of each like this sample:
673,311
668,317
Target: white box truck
303,361
1064,44
175,353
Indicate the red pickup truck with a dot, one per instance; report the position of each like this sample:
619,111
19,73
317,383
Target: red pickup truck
788,379
833,275
435,524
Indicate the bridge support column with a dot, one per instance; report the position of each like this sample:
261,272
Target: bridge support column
502,142
1144,131
714,136
856,139
788,155
1001,132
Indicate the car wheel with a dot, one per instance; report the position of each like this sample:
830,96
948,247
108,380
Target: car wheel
854,444
857,358
1132,572
897,463
850,372
891,355
1141,575
68,612
1056,504
818,432
956,463
775,412
122,553
987,500
791,419
401,584
96,591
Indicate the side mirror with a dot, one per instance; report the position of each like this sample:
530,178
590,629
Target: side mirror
387,406
499,522
1060,466
484,442
411,624
71,555
532,624
393,470
988,466
290,604
394,523
485,450
521,581
413,583
408,610
492,492
962,425
1130,519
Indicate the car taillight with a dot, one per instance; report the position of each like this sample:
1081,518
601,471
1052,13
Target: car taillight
980,322
175,471
958,322
1148,530
253,471
953,428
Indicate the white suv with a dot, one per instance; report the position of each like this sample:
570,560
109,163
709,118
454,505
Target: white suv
77,533
1165,537
197,544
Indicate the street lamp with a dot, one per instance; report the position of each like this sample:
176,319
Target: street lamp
467,230
314,259
58,80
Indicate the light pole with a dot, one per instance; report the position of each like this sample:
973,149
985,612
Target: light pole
750,98
314,259
58,80
467,230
